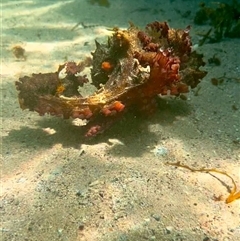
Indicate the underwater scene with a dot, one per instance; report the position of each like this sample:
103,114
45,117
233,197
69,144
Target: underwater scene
120,120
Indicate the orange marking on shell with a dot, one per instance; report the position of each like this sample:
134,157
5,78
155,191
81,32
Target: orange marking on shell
60,89
118,106
87,113
106,111
106,66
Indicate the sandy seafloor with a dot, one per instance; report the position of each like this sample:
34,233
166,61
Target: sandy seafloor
56,185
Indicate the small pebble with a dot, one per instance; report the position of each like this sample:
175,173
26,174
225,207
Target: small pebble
80,226
169,229
19,52
94,183
21,180
156,217
160,151
79,193
60,230
84,202
147,220
206,239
